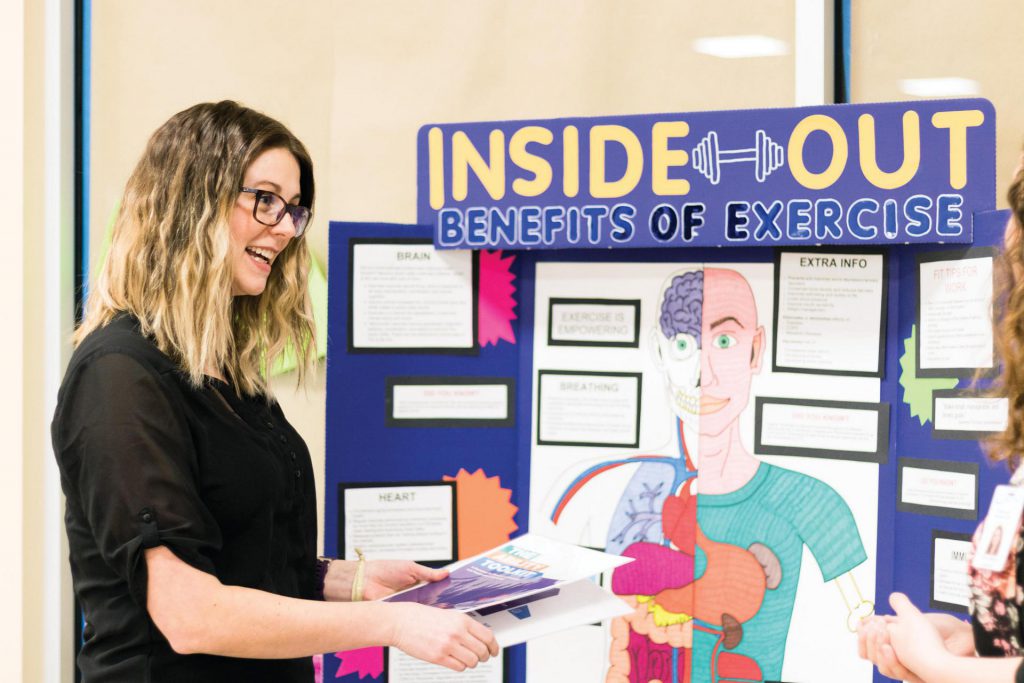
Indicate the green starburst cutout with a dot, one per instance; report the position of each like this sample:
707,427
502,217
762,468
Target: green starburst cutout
917,391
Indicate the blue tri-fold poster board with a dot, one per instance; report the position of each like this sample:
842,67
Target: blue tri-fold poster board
811,346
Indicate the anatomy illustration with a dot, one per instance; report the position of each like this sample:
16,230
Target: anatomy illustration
717,534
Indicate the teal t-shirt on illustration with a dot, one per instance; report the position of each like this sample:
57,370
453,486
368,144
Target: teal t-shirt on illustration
783,510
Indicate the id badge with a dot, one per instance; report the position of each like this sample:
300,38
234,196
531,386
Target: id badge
1000,528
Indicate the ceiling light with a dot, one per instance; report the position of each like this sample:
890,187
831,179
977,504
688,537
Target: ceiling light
940,87
739,47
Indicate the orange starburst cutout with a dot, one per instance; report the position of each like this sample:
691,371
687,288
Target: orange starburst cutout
486,513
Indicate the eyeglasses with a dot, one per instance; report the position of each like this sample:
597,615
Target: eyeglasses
270,207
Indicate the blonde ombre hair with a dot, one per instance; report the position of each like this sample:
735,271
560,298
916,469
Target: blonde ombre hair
169,265
1008,315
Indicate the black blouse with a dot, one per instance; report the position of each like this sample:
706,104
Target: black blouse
147,460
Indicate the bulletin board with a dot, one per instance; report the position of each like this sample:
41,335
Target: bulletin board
539,353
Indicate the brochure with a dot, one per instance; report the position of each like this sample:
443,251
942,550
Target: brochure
527,587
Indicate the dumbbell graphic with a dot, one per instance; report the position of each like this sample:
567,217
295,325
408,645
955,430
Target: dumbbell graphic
708,157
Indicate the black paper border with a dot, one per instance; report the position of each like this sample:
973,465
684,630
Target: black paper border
344,486
942,466
633,303
389,401
879,456
590,373
879,372
445,350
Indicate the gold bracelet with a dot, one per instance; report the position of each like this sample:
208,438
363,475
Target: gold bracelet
357,580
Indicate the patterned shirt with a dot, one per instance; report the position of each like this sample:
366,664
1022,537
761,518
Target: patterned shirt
996,599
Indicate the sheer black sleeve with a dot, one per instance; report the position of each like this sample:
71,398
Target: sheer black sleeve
127,459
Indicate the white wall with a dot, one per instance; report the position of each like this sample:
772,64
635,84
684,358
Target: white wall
12,122
36,123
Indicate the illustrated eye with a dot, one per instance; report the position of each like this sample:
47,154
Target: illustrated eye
725,341
683,346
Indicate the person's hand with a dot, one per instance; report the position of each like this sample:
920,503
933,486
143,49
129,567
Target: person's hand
957,635
380,578
384,577
873,645
873,642
441,636
916,641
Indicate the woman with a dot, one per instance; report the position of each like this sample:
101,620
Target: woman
191,514
939,648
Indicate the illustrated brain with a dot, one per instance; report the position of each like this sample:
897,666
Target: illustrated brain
681,305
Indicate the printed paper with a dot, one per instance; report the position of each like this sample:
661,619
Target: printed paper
409,296
949,574
955,314
830,312
399,522
584,408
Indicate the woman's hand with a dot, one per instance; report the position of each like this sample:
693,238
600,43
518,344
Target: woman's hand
873,645
384,577
441,636
380,578
957,635
873,641
915,639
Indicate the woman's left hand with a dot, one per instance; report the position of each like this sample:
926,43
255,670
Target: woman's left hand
916,641
873,645
380,578
384,577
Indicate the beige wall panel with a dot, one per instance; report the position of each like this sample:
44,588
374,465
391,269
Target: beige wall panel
399,65
14,526
35,422
355,81
891,41
152,59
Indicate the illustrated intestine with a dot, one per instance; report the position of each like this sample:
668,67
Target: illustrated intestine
660,583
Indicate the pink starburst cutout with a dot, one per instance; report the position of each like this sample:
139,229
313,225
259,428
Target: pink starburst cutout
497,300
367,662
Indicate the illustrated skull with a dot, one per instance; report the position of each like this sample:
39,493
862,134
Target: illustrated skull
679,341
